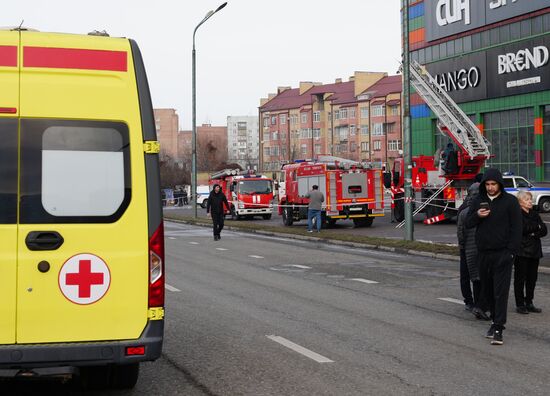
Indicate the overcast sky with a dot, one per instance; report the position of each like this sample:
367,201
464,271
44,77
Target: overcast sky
243,52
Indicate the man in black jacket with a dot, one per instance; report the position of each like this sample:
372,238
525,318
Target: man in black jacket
497,216
214,208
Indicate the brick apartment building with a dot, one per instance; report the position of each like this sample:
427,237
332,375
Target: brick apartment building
211,146
359,119
167,125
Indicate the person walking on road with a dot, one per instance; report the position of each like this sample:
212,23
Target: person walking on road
469,271
316,199
526,263
497,216
215,209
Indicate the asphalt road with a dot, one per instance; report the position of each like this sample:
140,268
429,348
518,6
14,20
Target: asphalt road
253,315
444,232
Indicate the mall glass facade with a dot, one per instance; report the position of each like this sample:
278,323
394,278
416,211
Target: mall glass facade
497,68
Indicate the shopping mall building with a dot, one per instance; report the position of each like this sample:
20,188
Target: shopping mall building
493,58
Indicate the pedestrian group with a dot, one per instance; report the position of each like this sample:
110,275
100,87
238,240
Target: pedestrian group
497,232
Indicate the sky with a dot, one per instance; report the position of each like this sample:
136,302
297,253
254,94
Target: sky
244,52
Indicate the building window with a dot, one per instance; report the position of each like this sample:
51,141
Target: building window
377,145
394,110
390,127
343,113
364,147
267,136
364,130
378,111
317,149
352,130
317,116
275,150
304,118
317,133
364,112
273,120
275,135
352,112
337,115
343,133
353,147
267,151
378,129
303,149
344,147
394,145
305,133
282,119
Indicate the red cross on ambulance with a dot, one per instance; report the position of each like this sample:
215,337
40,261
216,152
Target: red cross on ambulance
84,279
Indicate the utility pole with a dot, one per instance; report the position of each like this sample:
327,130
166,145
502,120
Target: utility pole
407,137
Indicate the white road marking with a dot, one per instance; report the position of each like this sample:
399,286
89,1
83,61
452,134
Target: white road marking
452,300
544,270
254,256
298,266
300,349
363,281
193,243
172,238
221,249
171,288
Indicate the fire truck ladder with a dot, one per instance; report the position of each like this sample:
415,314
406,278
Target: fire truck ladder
427,202
452,120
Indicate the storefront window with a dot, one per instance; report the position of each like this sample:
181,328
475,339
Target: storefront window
511,134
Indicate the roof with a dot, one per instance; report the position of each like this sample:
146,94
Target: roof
385,86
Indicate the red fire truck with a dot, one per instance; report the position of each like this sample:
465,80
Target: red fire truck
249,194
352,190
439,185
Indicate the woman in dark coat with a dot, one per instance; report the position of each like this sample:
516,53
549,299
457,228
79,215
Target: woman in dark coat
526,263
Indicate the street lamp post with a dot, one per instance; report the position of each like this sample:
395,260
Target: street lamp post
194,112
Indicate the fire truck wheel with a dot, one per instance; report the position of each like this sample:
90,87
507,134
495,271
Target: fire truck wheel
267,216
287,217
363,222
234,215
399,209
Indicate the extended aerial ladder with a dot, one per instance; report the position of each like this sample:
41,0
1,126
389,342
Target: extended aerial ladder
473,148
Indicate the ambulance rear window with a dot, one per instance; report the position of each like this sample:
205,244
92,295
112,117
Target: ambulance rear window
74,171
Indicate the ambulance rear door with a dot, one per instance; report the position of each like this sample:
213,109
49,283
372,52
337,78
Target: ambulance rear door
83,233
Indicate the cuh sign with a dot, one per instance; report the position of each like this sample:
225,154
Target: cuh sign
447,17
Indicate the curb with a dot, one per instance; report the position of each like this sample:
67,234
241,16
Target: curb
359,245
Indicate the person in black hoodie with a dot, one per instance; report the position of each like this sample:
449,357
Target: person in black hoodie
526,264
497,216
214,208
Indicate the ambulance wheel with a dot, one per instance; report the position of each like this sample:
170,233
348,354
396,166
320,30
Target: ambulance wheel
399,209
267,216
95,377
125,376
287,217
363,222
544,205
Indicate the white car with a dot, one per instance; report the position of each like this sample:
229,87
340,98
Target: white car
541,195
203,191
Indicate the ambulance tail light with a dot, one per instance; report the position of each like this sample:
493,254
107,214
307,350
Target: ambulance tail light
156,268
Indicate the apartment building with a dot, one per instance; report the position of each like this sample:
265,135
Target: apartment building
335,119
242,141
167,125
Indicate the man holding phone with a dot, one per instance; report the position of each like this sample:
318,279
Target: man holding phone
497,216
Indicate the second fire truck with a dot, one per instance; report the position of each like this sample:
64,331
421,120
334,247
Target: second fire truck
249,194
351,189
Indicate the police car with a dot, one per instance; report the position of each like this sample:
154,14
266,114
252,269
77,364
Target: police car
541,195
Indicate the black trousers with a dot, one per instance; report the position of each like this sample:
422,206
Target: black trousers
217,223
465,288
525,278
495,272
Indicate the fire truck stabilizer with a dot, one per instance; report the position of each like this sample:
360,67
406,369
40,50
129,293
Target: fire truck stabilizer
352,190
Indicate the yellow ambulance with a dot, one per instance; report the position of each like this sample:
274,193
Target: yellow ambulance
81,232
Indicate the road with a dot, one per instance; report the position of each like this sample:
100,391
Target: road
254,315
382,227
